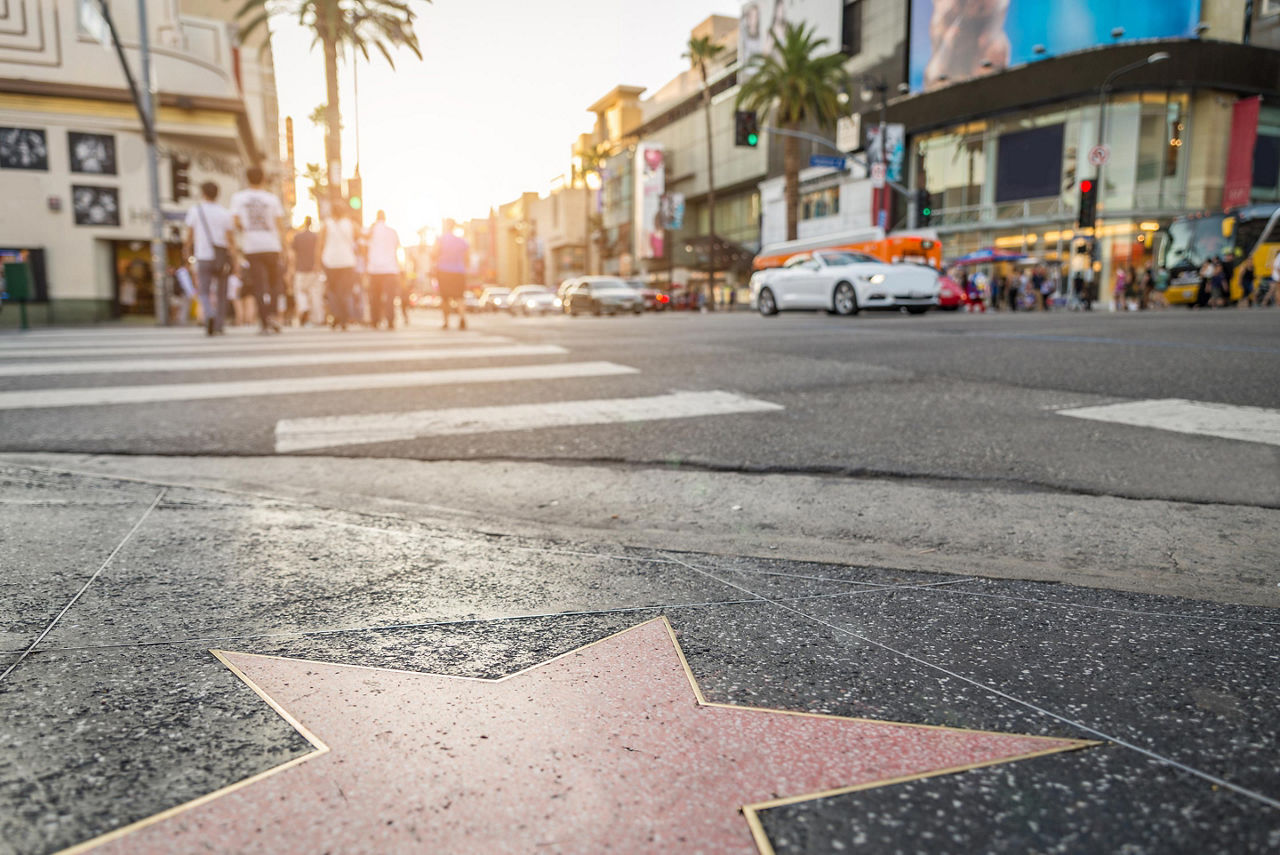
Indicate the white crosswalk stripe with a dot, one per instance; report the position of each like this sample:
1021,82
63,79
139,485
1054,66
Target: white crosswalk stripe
393,361
1250,424
161,362
329,431
105,395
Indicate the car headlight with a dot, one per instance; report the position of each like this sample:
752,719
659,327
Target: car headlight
876,278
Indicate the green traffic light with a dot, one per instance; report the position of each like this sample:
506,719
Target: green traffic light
927,211
752,139
355,203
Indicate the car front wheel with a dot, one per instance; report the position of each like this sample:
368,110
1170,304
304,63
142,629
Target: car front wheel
845,300
767,304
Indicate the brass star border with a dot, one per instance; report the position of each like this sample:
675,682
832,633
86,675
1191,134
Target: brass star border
751,812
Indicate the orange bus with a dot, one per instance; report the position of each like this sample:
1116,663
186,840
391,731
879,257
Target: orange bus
920,247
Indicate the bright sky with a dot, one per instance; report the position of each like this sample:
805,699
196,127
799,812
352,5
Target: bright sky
495,106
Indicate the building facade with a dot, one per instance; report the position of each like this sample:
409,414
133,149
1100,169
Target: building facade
72,154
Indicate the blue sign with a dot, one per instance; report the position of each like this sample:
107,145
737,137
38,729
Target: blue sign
830,161
952,41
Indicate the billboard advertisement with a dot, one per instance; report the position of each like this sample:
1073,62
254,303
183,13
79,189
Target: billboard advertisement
954,40
763,20
651,183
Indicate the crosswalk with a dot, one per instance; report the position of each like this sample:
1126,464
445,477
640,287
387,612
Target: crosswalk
57,370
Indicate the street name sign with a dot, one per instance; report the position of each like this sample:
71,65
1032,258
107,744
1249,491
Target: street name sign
828,160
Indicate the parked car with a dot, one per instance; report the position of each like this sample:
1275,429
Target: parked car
601,295
844,283
654,300
950,295
531,300
494,299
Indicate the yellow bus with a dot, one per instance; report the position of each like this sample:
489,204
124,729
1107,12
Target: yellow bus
1246,232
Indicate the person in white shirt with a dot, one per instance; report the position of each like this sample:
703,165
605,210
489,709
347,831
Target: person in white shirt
384,272
210,240
338,258
260,219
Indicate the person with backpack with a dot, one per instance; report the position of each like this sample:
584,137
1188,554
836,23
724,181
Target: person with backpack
210,242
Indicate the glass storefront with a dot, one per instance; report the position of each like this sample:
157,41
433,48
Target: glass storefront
1012,183
1018,167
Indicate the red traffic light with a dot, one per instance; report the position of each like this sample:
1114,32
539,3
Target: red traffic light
1086,186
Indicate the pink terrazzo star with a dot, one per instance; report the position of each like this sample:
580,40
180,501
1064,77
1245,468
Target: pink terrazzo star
609,748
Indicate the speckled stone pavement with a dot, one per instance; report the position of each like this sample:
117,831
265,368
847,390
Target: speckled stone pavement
113,710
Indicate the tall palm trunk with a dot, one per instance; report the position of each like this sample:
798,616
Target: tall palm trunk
791,168
711,196
332,116
586,227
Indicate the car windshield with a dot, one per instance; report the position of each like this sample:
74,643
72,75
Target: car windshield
607,285
836,259
1194,240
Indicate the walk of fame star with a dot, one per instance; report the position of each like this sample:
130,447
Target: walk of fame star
608,748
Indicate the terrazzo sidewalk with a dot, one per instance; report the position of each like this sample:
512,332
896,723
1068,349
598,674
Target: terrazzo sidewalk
186,669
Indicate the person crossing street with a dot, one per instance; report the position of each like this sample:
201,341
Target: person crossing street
260,219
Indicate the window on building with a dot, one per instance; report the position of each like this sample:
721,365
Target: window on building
820,203
851,28
1271,7
1266,157
1029,164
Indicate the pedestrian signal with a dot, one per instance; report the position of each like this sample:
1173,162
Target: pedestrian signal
746,128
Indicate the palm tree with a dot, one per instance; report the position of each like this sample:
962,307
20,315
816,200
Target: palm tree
355,25
701,51
797,85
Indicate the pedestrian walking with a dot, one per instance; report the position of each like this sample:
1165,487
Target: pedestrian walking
1246,281
1205,285
450,254
308,290
337,248
184,294
210,242
1268,288
260,219
384,272
1120,290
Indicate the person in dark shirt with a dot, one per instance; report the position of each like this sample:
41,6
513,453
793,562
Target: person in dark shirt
307,287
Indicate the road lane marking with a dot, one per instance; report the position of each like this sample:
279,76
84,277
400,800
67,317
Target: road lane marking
328,431
271,360
235,344
1250,424
106,395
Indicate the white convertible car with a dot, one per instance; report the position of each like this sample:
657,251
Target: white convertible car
845,283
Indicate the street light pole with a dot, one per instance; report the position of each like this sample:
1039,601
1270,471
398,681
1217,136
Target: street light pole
1158,56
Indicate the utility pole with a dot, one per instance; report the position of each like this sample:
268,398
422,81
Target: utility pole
159,263
144,101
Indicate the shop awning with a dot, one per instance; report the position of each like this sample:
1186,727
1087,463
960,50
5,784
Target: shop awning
985,256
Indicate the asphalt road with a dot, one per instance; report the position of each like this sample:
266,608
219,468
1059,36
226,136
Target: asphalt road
965,398
890,519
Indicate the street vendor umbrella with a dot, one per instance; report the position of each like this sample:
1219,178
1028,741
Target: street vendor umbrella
986,256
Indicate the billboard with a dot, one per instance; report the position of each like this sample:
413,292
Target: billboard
954,40
651,183
763,20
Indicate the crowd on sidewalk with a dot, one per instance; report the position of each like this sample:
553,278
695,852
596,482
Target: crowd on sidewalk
244,266
1042,289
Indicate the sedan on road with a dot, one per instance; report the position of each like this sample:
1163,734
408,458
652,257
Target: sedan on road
531,300
844,283
494,299
601,295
